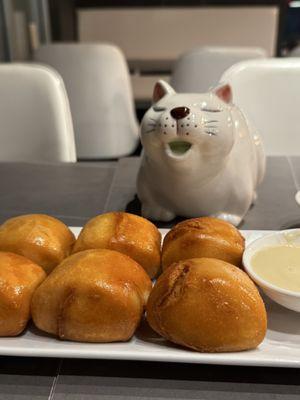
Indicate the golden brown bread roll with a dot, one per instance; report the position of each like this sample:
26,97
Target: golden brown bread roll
92,296
203,237
19,277
208,305
43,239
127,233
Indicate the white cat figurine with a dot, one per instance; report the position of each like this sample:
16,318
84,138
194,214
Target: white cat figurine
201,157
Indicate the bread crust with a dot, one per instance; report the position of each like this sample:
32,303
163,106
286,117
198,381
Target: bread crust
127,233
92,296
203,237
207,305
41,238
19,277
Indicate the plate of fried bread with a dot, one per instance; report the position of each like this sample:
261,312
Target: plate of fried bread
119,288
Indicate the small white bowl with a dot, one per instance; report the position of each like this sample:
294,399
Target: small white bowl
284,297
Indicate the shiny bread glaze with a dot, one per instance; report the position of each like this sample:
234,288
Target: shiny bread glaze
124,232
41,238
19,277
203,237
92,296
207,305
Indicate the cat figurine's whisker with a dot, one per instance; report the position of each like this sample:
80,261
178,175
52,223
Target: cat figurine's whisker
211,121
211,133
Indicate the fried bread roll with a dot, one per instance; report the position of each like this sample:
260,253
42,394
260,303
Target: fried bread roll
92,296
203,237
208,305
127,233
43,239
19,277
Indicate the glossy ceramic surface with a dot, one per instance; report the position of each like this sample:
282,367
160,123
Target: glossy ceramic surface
201,157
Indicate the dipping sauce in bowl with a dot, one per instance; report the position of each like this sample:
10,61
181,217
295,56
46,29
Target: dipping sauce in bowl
279,265
273,262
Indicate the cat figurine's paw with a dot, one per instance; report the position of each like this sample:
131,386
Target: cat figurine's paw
157,213
231,218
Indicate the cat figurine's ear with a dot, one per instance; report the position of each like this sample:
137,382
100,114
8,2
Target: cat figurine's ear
161,89
224,92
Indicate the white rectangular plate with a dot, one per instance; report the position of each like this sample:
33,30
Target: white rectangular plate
281,347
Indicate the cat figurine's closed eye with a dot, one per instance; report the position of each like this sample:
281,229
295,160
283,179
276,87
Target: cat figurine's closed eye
201,156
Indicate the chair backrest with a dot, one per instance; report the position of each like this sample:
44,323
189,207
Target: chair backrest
98,85
267,91
201,68
36,123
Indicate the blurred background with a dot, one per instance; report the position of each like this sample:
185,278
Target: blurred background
188,43
151,33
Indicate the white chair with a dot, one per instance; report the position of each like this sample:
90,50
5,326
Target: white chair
268,93
201,68
36,123
98,85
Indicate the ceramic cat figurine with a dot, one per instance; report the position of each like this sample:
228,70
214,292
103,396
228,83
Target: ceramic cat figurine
201,157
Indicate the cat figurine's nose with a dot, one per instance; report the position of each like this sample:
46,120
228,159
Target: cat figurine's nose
179,112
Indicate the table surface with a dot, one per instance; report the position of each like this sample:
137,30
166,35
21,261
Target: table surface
76,192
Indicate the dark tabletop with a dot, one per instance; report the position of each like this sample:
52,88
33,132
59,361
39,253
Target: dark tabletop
76,192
